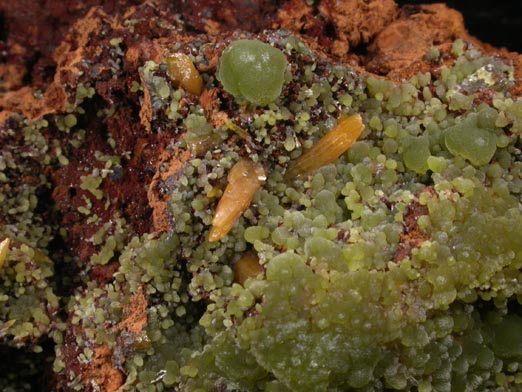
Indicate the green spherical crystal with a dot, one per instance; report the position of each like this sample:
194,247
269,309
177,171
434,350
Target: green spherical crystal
253,70
477,145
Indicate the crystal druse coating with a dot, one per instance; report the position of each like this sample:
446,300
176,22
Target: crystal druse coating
394,264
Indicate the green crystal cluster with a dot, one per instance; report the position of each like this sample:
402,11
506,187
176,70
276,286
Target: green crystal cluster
29,303
335,308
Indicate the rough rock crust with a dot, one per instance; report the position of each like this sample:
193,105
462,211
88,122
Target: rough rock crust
376,35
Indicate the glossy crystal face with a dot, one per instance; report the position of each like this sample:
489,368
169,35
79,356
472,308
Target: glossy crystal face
253,70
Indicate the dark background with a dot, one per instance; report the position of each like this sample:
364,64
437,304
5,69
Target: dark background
497,22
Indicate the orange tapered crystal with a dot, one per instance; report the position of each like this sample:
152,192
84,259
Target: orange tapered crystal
247,267
182,72
4,247
244,180
328,149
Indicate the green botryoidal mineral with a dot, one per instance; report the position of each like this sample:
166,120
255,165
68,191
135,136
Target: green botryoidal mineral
327,304
252,69
306,291
472,141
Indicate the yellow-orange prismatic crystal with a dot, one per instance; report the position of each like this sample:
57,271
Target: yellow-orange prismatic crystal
244,179
329,148
247,267
37,255
4,247
182,72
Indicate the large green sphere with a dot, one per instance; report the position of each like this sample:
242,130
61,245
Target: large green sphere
253,70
